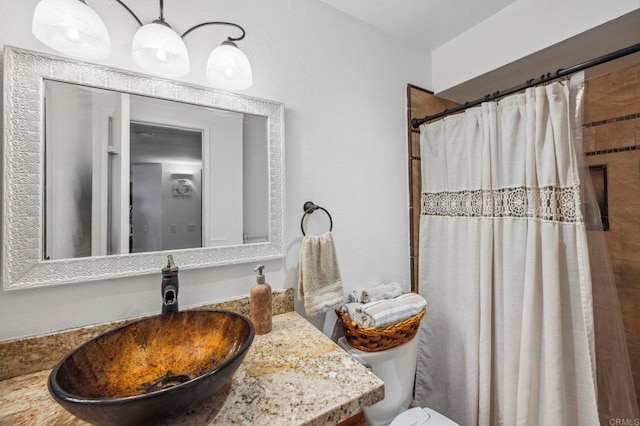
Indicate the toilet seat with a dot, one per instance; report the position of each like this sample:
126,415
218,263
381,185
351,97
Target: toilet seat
422,417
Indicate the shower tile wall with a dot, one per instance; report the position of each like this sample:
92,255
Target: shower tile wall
612,123
420,103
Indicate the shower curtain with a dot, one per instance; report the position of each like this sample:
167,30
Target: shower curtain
504,264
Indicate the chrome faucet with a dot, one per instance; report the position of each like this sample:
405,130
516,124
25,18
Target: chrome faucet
169,287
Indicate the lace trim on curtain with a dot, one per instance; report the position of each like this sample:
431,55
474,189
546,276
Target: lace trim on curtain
548,203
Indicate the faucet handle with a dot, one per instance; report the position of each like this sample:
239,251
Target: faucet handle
169,287
171,266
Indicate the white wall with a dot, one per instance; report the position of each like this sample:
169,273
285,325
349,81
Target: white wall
343,83
516,31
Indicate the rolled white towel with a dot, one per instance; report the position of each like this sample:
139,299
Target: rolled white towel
355,295
351,310
381,292
385,312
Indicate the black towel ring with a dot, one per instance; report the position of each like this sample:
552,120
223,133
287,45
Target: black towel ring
310,207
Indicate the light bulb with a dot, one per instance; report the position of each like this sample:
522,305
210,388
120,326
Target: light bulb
73,34
161,54
229,72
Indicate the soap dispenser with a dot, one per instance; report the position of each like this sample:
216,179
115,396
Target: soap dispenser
260,304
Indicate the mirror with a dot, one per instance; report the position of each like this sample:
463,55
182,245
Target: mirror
107,172
133,174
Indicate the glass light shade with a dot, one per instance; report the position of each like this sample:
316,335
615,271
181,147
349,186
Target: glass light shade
160,50
228,68
71,27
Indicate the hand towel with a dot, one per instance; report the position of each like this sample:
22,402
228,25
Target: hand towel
389,311
320,284
381,292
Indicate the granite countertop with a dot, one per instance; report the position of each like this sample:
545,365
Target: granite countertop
294,375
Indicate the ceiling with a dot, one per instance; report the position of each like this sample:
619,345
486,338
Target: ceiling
424,23
429,24
160,144
603,39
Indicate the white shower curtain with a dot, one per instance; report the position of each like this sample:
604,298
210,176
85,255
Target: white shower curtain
509,337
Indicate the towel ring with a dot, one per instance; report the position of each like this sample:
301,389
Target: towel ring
310,207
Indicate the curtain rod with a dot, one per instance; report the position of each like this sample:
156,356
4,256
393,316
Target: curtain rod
562,72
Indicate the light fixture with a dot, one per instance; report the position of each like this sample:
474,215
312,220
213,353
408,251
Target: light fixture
160,50
229,67
71,27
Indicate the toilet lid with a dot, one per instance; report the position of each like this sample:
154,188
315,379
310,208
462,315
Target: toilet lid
422,417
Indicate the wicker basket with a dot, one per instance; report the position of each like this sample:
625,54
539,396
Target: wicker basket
379,339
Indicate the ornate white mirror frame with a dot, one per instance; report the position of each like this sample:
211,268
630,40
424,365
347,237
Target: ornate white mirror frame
23,179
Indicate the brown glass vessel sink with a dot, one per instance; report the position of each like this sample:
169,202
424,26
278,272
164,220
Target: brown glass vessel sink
152,370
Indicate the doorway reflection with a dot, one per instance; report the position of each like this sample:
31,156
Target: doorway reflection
166,188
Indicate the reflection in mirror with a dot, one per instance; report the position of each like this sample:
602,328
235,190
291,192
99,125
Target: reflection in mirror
166,188
131,174
72,171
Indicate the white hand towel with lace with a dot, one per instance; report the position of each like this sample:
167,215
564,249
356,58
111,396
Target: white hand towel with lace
389,311
320,284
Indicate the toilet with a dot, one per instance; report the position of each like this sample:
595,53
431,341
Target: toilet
396,367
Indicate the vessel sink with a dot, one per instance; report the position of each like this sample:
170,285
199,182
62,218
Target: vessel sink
152,370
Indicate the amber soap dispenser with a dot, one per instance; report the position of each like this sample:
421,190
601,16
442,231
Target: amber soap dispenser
260,303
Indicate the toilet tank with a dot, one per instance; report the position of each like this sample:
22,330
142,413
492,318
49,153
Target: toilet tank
396,367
